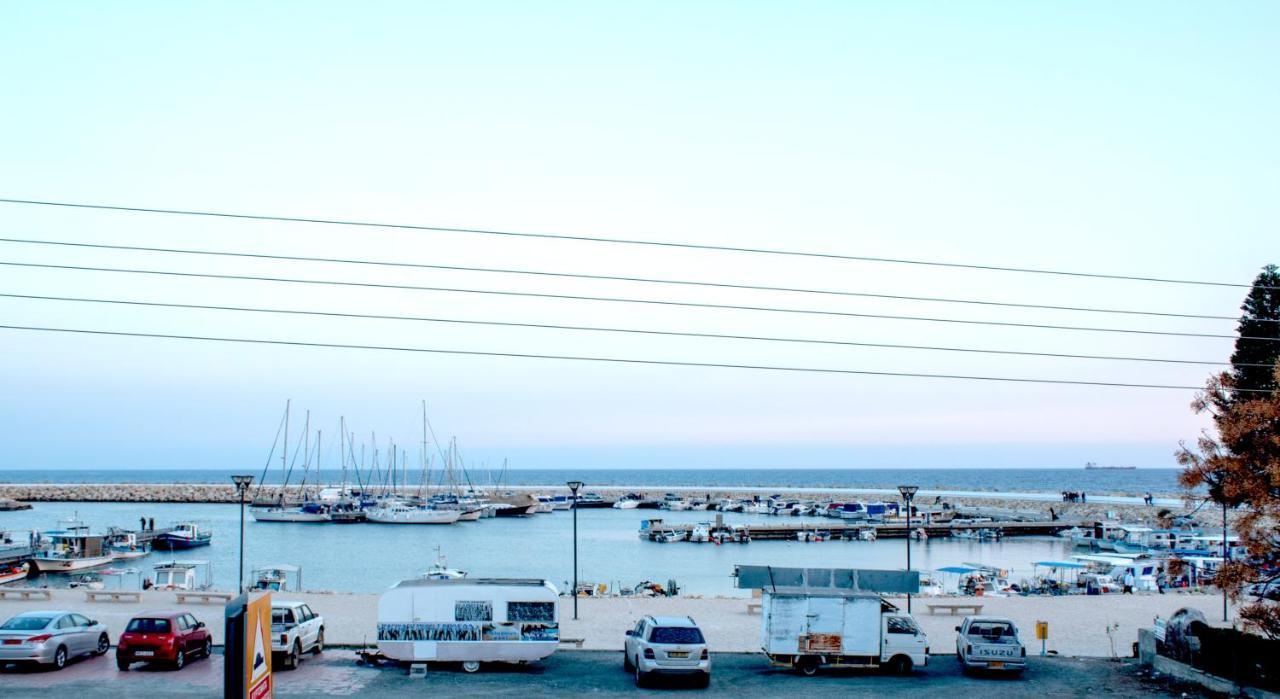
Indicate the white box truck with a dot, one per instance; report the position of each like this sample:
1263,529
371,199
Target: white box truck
810,628
469,620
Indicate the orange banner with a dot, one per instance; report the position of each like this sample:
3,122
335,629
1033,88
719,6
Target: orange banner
257,647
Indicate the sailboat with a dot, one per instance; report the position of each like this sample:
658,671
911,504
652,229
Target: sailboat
307,511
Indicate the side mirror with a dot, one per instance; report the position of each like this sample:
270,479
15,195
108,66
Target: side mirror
957,628
631,632
199,624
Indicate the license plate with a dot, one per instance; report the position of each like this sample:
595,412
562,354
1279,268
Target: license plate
144,653
995,664
678,655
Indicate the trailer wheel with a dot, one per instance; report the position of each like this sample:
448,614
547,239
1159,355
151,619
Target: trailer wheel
900,665
471,666
807,666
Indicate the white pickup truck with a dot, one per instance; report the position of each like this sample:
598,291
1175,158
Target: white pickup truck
295,629
990,643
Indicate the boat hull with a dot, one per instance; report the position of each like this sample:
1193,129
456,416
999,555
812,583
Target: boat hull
290,516
165,544
516,511
64,565
413,517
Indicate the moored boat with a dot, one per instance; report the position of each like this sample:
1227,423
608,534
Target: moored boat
183,535
72,549
405,514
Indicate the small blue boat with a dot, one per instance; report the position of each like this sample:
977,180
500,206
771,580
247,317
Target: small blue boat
183,535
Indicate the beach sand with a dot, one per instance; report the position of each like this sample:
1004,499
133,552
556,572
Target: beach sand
1077,624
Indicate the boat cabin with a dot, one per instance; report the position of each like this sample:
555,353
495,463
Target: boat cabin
182,575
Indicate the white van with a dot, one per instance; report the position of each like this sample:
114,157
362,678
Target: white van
469,620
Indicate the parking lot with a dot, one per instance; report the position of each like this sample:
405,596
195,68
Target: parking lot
335,673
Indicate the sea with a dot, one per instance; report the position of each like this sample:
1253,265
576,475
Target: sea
1015,480
369,558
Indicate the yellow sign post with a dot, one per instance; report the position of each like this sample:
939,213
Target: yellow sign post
257,648
1042,635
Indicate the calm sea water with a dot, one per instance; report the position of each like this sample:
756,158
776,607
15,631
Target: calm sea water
1137,481
372,557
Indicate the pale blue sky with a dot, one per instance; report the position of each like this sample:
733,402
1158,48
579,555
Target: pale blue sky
1134,138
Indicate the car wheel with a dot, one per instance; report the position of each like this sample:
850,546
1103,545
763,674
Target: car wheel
104,644
900,665
704,681
295,654
471,666
626,662
179,659
319,647
60,658
641,679
207,649
122,665
807,666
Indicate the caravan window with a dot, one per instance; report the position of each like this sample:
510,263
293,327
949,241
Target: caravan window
472,611
531,611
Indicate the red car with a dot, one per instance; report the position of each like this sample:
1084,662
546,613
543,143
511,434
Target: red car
167,637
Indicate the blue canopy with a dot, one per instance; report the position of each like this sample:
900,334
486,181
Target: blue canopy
1059,564
957,569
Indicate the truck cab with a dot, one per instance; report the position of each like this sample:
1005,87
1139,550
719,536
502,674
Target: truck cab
990,643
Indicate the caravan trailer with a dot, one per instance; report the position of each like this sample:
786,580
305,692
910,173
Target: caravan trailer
469,620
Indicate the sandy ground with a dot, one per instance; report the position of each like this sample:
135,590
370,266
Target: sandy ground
1077,624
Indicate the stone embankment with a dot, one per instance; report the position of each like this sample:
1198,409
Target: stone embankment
995,503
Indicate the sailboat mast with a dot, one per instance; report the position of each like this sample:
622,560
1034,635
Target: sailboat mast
284,454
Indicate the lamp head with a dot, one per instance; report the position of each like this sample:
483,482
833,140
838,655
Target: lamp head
574,485
908,491
242,482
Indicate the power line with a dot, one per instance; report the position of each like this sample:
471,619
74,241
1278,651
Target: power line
612,360
612,299
623,241
637,331
605,277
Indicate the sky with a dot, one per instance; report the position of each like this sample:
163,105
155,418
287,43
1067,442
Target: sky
1129,139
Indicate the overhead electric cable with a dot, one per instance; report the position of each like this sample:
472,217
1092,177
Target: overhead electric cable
606,277
620,241
610,299
610,360
637,331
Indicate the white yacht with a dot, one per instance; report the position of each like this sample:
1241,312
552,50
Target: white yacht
404,514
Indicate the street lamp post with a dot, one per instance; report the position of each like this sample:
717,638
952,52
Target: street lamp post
242,486
573,488
908,494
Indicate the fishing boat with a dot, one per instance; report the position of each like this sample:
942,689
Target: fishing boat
183,576
406,514
276,578
183,535
440,570
124,546
701,533
71,549
13,572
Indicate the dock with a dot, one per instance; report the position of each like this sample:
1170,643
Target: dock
845,530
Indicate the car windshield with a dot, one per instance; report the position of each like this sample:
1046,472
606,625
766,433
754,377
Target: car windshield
992,630
26,623
675,634
148,626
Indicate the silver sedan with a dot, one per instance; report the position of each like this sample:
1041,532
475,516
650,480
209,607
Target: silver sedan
51,638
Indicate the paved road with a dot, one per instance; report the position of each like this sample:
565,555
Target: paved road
568,672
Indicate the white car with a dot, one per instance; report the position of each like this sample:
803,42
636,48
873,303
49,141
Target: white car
670,646
295,630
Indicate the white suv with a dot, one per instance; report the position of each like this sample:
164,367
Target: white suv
666,645
295,629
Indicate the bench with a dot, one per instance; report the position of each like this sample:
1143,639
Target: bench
112,595
19,593
953,607
575,642
754,607
204,597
